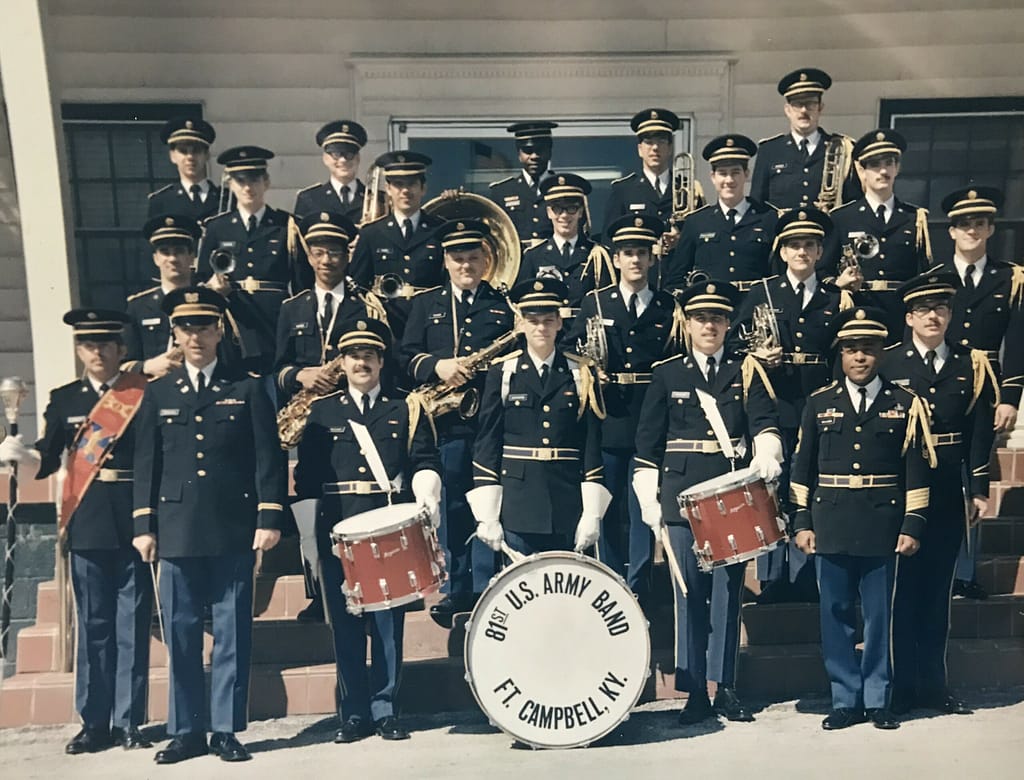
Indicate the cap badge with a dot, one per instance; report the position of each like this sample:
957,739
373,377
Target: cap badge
325,217
401,158
188,124
972,194
654,115
344,128
638,222
192,297
361,325
803,77
730,142
91,315
460,225
879,136
710,289
243,153
932,279
169,222
538,286
561,180
803,215
861,314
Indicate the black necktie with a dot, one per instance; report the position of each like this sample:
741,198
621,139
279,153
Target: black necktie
325,320
657,186
346,195
712,373
969,278
863,405
467,298
800,294
252,224
200,383
544,375
366,404
929,360
197,193
805,148
634,299
880,213
406,228
731,216
567,251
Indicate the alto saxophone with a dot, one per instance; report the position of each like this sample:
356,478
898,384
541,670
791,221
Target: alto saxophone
291,420
440,398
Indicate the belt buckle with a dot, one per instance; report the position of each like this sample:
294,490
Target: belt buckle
249,284
799,358
363,488
545,453
856,480
627,378
709,447
106,475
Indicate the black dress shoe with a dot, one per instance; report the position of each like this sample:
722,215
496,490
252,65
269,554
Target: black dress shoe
130,738
946,702
353,730
224,745
312,612
728,704
882,718
182,748
969,590
698,709
443,612
842,718
391,729
89,741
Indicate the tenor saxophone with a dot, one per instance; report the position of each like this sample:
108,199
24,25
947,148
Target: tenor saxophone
291,420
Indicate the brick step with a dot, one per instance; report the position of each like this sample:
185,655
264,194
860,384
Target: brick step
1002,536
1001,573
765,673
1008,466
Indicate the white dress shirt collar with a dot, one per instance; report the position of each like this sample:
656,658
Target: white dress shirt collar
338,293
941,352
873,387
961,267
357,396
97,384
414,218
741,208
246,214
643,298
810,285
874,203
560,242
537,362
193,373
660,182
702,360
812,140
204,188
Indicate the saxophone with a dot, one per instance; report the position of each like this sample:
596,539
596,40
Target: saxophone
291,420
439,398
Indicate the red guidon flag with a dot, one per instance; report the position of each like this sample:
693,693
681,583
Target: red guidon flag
96,438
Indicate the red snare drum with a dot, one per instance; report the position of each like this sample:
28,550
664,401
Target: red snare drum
734,517
390,557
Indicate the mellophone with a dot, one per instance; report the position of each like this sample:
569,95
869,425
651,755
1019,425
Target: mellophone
557,650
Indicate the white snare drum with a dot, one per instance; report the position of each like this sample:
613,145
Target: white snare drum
390,557
557,650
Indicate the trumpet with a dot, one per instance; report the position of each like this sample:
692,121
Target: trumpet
866,246
223,261
389,286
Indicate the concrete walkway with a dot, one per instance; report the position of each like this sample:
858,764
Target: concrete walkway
785,742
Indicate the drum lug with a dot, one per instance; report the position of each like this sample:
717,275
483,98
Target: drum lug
721,506
383,583
760,537
375,549
403,541
780,520
434,568
348,553
413,582
748,496
732,545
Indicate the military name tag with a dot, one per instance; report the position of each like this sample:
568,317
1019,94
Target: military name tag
338,429
77,420
518,397
230,402
637,206
512,200
681,394
151,321
169,412
779,167
297,326
438,315
707,236
901,382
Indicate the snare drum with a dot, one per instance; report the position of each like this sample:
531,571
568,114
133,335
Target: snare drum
390,557
734,517
557,650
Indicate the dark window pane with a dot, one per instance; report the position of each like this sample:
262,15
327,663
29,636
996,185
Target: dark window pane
131,157
132,202
96,205
92,155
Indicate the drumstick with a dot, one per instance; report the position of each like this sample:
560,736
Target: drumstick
156,600
513,555
673,564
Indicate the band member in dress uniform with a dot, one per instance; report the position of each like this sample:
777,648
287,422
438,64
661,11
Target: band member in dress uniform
193,195
398,255
342,193
446,326
676,446
255,236
149,344
959,387
988,315
804,307
648,191
308,330
890,236
112,585
521,196
210,485
730,240
568,254
537,457
790,166
338,471
641,326
860,483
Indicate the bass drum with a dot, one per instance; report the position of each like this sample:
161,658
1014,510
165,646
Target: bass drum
557,650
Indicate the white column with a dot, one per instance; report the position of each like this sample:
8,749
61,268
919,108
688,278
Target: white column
37,146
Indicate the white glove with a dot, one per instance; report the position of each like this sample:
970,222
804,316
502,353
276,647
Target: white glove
645,485
596,499
486,505
13,450
426,489
767,456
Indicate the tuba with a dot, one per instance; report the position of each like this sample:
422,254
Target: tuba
503,243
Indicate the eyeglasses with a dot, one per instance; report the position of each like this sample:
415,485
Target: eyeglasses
319,253
340,154
566,208
924,309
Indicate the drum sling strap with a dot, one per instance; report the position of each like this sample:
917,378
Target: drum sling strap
373,458
709,406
